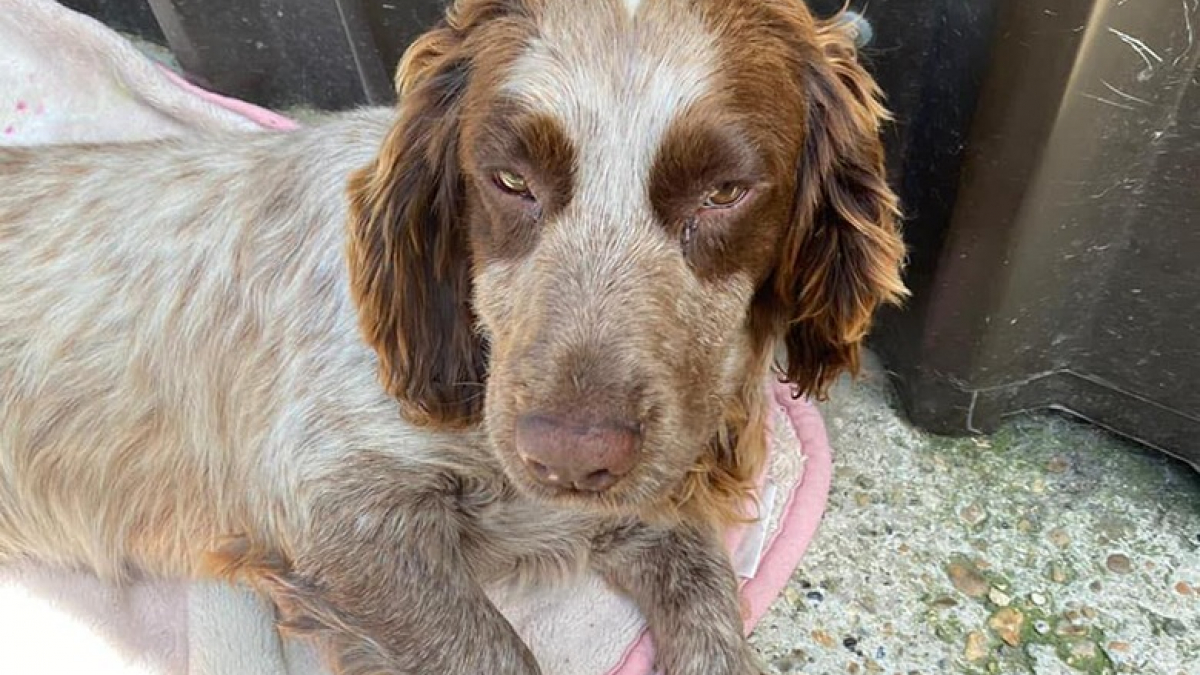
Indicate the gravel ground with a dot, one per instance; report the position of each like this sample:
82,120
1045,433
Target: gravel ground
1049,547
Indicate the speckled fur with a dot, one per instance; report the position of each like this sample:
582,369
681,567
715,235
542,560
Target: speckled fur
216,360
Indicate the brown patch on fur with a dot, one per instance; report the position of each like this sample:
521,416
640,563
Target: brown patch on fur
536,147
409,263
706,147
302,611
841,255
851,246
720,489
236,558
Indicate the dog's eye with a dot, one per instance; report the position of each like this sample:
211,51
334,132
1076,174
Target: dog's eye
513,183
725,196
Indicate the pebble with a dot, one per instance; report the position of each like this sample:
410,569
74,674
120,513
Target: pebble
1059,537
967,579
1007,624
793,662
850,642
1095,586
1119,563
1117,646
868,603
1083,650
786,665
822,638
977,646
1184,588
1058,464
815,597
945,602
1058,573
1037,599
1039,486
1071,630
973,515
999,597
1175,628
1042,627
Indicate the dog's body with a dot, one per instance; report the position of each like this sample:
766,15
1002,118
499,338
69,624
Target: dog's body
189,354
199,372
192,339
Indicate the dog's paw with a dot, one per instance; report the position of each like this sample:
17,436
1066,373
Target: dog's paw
739,661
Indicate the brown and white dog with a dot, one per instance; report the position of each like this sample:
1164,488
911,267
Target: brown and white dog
530,338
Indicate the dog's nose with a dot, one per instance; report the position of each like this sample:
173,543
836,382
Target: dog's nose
566,453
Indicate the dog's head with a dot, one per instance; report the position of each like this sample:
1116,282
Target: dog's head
594,219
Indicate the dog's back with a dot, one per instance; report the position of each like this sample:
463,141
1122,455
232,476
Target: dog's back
162,304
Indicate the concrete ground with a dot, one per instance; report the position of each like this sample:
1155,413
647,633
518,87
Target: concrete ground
1049,547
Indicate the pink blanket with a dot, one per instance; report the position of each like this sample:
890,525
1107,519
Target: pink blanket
64,77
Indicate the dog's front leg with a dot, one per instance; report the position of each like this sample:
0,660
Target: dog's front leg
381,582
681,579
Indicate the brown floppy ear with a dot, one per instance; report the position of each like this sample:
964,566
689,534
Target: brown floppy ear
410,270
843,254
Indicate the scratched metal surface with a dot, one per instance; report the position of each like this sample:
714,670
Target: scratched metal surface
1064,271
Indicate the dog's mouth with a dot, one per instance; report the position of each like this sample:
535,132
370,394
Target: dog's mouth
579,456
644,486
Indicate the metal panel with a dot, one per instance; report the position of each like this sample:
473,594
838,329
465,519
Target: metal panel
324,54
1066,274
128,16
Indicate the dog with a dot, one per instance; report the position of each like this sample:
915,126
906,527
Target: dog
517,327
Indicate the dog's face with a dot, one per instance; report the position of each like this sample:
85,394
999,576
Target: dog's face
605,213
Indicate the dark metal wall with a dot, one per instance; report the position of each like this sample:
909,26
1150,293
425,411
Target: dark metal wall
323,54
1055,235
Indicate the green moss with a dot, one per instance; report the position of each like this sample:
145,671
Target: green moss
1097,663
949,629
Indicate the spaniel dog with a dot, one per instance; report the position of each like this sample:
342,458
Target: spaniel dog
515,328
